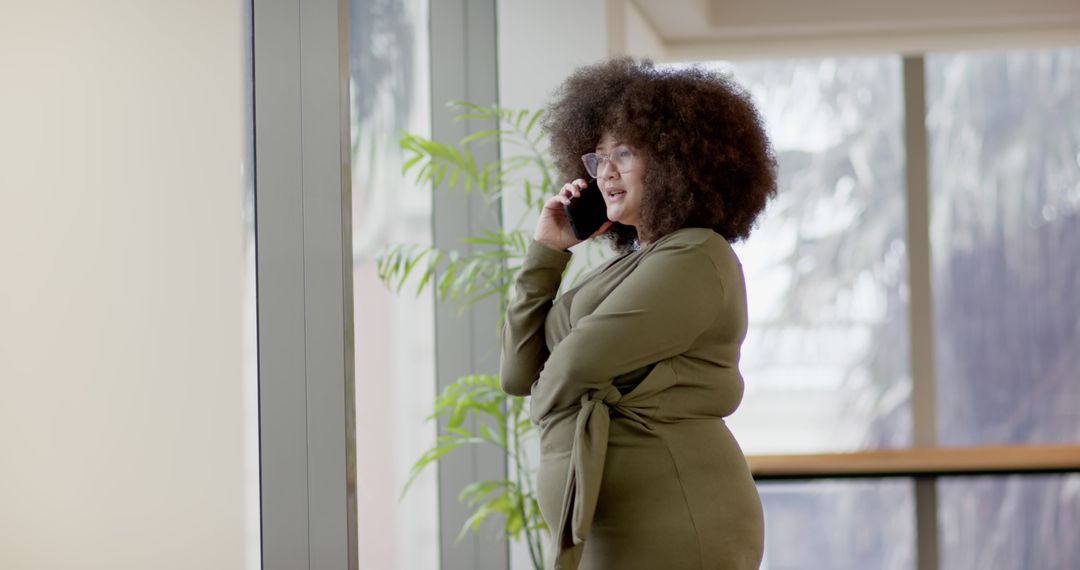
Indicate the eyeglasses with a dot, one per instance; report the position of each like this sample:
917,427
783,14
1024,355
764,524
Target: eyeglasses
622,158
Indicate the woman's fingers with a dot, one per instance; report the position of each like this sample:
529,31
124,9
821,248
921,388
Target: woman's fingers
570,190
573,189
556,202
566,193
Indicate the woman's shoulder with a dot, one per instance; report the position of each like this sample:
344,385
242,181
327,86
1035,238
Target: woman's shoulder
692,236
697,238
703,240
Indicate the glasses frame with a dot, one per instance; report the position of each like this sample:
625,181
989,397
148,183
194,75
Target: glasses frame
602,158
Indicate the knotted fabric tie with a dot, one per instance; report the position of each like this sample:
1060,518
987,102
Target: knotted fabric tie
587,454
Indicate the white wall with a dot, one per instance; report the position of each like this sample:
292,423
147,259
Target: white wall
124,384
540,44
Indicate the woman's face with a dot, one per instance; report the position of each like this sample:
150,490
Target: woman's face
622,190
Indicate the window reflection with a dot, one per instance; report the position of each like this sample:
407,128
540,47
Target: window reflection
1005,227
1004,523
839,525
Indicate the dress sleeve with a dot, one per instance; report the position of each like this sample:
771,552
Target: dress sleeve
524,349
657,312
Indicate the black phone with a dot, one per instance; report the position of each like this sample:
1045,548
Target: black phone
587,212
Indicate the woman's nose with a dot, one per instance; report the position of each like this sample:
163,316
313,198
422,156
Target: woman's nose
607,170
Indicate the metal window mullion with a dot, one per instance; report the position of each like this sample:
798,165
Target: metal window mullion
924,388
463,67
304,260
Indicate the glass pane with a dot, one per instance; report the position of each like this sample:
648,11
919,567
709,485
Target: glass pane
1005,233
826,357
839,525
395,371
1005,523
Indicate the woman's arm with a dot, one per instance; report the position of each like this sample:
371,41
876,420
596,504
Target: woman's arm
524,349
523,346
656,313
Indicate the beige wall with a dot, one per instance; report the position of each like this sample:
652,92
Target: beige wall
124,384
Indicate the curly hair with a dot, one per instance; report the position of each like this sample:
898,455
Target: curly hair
710,164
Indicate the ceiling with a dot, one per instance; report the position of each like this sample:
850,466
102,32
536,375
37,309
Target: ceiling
708,29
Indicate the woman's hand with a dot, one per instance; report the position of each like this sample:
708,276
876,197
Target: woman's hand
553,229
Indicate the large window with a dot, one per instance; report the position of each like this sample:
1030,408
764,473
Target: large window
395,369
828,360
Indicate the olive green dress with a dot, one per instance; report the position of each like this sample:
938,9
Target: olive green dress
631,374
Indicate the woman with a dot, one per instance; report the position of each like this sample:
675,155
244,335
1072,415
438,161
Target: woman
632,372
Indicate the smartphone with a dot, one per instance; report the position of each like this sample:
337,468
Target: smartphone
587,212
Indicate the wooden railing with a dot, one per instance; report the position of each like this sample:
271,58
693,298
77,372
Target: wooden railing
919,462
